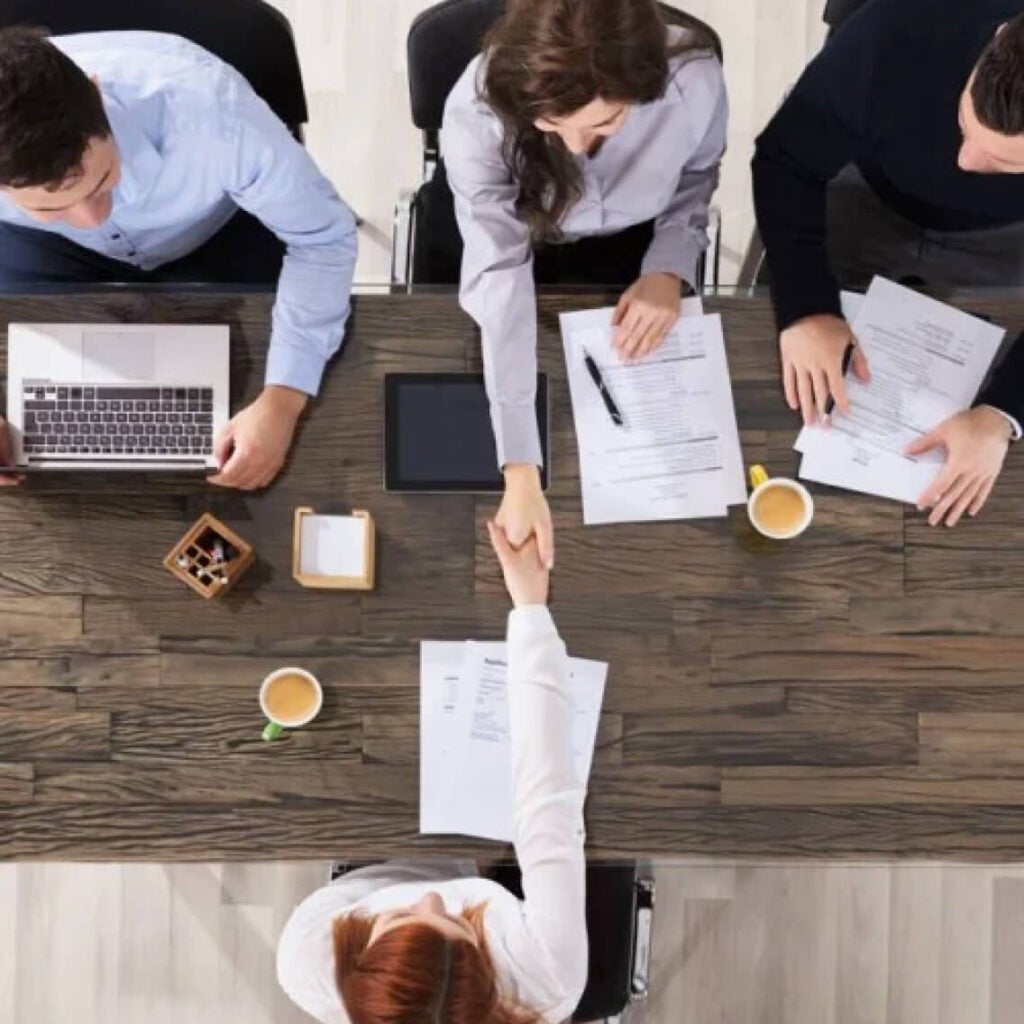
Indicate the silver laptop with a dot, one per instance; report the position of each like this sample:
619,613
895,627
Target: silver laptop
116,396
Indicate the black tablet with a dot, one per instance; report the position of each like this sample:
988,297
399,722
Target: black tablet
438,436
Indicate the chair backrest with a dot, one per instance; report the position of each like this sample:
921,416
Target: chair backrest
611,889
444,38
837,11
250,35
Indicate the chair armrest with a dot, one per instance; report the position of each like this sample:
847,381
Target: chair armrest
401,241
713,256
641,980
753,262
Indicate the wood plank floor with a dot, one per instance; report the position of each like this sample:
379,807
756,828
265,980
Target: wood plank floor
753,943
858,693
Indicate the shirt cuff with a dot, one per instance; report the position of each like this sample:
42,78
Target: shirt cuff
531,621
1014,423
516,434
676,251
294,367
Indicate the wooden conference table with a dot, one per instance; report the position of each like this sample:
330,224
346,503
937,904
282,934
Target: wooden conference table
859,692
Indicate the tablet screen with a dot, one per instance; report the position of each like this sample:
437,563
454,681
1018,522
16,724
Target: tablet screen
438,434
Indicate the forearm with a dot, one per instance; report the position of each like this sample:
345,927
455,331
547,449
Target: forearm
503,303
547,792
790,204
1005,391
540,707
312,309
268,174
680,233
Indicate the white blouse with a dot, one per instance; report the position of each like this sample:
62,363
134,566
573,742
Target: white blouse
662,165
538,944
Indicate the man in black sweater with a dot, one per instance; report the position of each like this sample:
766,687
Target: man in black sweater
901,152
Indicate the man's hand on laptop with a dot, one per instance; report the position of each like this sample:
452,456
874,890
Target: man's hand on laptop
252,447
7,457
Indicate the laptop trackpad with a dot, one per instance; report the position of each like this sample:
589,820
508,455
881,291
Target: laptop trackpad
117,355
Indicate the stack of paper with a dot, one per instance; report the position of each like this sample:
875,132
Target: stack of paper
677,454
465,750
927,362
333,545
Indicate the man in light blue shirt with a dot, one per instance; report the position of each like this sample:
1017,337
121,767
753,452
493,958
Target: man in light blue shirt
129,156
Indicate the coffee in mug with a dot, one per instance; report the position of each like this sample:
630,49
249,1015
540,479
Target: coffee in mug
289,697
778,508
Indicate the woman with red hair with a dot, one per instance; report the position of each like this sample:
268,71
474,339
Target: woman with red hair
431,943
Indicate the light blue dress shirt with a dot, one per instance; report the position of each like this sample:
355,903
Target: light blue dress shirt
196,145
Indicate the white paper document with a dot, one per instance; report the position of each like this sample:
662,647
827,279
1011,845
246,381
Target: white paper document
333,545
465,747
927,362
677,454
440,669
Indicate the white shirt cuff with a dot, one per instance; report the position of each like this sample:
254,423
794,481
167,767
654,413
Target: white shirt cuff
530,620
1014,423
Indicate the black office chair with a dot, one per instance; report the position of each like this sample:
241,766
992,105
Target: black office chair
250,35
620,920
427,245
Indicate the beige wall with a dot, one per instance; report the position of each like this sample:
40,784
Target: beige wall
353,56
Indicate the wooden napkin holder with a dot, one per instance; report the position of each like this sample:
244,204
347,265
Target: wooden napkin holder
363,582
194,558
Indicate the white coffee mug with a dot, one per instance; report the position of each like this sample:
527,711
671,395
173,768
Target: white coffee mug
275,726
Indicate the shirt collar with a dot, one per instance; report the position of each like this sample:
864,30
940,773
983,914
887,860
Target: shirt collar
140,159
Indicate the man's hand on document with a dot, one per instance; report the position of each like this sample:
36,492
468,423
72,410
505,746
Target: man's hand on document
976,441
813,351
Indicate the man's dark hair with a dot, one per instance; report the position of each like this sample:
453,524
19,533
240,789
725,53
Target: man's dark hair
998,89
49,111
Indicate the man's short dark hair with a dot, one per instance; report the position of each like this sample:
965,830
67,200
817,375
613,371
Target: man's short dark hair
49,111
998,89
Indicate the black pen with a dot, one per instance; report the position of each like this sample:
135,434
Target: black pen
595,376
830,404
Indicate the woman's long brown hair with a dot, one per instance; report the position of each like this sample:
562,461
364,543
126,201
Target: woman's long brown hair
549,58
413,974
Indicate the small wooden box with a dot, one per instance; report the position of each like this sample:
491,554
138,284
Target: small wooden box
363,582
194,559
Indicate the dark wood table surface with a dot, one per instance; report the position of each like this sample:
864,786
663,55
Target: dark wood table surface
858,692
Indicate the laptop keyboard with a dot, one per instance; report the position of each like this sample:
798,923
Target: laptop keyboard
108,421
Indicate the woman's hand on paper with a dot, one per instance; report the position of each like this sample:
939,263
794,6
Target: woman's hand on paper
645,314
524,512
526,577
812,353
976,441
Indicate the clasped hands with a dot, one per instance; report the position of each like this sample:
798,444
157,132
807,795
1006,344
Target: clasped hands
975,440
